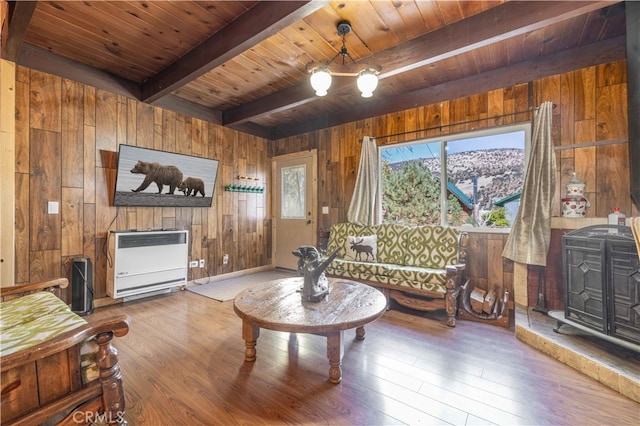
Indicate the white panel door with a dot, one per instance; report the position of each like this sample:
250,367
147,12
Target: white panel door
294,205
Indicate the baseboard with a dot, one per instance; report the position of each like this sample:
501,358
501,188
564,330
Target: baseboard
235,274
147,294
107,301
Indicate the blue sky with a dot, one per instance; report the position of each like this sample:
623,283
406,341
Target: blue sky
432,150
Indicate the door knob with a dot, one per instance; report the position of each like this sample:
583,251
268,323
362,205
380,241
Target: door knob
309,222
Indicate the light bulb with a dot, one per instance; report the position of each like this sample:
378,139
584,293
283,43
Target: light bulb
367,82
320,81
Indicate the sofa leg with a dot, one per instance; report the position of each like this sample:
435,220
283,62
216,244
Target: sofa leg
450,306
451,320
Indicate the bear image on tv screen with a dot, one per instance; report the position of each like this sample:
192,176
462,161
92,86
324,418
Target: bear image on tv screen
161,175
192,184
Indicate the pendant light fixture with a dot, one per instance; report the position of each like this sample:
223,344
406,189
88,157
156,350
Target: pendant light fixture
321,75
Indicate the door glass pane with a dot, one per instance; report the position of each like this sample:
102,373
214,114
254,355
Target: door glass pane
293,186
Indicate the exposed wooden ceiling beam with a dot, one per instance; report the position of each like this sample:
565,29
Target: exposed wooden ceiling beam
492,26
45,61
189,108
20,14
257,24
596,53
496,24
256,130
477,29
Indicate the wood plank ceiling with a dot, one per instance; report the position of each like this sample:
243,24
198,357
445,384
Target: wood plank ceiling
243,63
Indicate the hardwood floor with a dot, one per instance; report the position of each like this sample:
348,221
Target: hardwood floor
183,363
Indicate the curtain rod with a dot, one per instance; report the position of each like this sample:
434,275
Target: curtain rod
456,124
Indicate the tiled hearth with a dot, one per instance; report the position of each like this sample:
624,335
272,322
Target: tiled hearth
608,363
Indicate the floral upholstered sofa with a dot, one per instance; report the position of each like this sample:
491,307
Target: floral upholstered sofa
420,267
55,366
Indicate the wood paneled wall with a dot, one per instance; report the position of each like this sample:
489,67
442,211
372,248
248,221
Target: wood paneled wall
67,138
590,132
487,269
7,168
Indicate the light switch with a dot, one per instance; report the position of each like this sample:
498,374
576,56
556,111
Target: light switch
325,209
53,207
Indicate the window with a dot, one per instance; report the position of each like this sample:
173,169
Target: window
473,178
293,182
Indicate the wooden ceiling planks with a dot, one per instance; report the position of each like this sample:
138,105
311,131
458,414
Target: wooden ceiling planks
368,27
489,58
402,18
431,15
291,58
258,72
96,51
311,46
153,24
451,11
241,35
164,35
603,23
265,80
198,18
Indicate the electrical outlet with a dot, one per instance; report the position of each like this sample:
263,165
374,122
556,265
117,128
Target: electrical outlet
225,259
52,207
193,264
202,263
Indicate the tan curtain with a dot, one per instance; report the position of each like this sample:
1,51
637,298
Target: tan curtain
364,203
528,241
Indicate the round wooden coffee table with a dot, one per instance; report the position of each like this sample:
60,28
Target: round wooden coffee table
277,305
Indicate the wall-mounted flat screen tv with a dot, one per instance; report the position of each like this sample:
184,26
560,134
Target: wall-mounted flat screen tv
148,177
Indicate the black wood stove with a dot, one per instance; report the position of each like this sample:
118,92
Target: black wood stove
602,283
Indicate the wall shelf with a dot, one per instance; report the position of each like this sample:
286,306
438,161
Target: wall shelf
245,185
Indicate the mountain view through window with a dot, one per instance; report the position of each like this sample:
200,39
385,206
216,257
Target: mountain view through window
484,179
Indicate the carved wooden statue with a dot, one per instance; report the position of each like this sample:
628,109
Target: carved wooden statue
311,267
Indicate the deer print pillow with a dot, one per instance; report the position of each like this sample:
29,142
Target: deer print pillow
362,248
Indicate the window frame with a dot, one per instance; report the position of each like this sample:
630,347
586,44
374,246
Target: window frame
452,137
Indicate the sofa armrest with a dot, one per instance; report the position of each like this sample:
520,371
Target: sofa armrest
27,377
53,286
118,326
455,273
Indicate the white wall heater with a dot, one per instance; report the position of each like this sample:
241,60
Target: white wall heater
146,261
